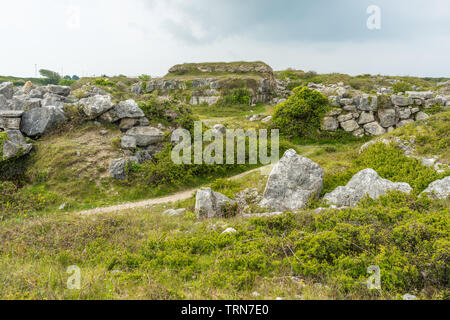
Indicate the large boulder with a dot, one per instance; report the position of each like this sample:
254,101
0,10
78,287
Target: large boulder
37,121
96,105
401,101
7,89
367,102
374,129
51,99
330,124
24,102
59,90
14,145
387,117
292,183
125,109
439,189
146,136
365,183
420,94
210,204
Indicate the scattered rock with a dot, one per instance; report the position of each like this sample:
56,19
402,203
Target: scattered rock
117,169
367,182
330,124
439,189
7,89
292,183
229,231
387,117
421,116
128,143
210,204
174,213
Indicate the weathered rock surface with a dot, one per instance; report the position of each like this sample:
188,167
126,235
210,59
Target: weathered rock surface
126,109
118,169
15,145
210,204
374,129
439,189
96,105
387,117
365,183
59,90
330,124
146,136
292,183
37,121
7,89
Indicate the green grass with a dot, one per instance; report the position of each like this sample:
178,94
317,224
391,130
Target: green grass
144,255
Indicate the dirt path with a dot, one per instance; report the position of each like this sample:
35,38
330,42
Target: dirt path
180,196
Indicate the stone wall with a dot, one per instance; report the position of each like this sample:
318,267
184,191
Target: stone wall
375,115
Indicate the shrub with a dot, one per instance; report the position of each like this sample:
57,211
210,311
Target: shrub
301,114
401,86
235,97
104,82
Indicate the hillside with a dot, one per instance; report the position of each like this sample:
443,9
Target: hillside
362,180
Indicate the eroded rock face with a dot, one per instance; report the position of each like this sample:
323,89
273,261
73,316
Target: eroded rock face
292,183
59,90
210,204
146,136
15,145
374,129
96,105
387,117
126,109
37,121
7,89
365,183
439,189
117,169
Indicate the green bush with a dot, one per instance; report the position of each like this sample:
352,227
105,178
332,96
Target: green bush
301,114
401,86
104,82
235,97
390,163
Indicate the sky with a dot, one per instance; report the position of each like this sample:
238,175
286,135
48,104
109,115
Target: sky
134,37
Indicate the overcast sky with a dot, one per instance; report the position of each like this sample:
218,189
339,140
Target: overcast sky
133,37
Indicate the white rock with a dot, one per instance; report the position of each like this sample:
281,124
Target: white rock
439,189
365,183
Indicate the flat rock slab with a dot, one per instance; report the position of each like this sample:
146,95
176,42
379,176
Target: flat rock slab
11,113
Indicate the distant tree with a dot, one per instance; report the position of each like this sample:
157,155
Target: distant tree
68,77
51,77
75,77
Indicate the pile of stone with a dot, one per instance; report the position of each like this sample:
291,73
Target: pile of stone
30,111
377,114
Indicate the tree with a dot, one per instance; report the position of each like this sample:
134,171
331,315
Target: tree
75,77
51,77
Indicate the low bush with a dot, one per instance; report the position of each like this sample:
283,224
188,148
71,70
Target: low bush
301,114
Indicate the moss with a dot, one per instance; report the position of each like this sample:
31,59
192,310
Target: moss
3,137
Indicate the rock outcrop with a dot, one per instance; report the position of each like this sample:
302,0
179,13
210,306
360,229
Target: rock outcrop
439,189
293,182
365,183
14,145
37,121
96,105
210,204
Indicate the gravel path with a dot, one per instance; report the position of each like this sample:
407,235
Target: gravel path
180,196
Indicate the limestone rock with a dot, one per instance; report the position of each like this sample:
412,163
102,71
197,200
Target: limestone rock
374,129
96,105
126,109
366,117
387,117
7,89
401,101
118,168
330,124
59,90
210,204
350,125
421,116
292,183
365,183
146,136
439,189
404,123
37,121
15,145
128,143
